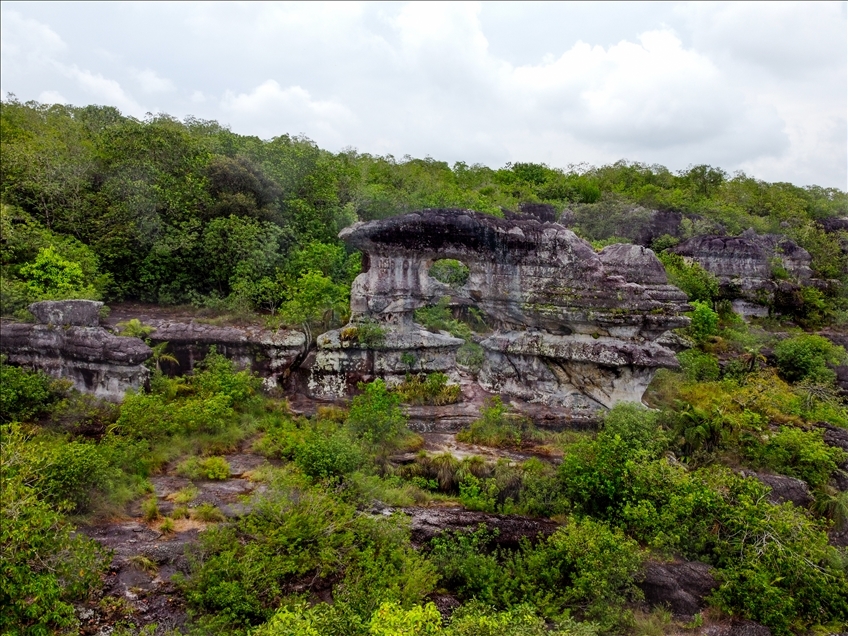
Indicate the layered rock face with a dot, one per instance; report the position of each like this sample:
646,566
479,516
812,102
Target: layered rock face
746,265
269,354
68,342
573,329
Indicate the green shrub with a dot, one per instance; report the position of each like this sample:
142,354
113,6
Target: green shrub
432,388
322,455
585,567
150,509
450,271
66,471
806,357
133,328
498,427
50,276
698,366
44,565
298,533
24,395
797,453
440,318
210,513
375,417
698,283
217,376
204,468
704,322
471,355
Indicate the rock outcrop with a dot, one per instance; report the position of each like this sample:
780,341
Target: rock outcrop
572,329
784,488
270,354
68,342
682,586
750,266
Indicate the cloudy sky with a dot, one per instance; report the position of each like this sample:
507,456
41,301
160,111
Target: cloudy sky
756,87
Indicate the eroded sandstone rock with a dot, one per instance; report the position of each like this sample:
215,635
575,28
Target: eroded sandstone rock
573,329
270,354
680,585
749,266
69,343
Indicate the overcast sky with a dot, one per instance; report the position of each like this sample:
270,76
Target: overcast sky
756,87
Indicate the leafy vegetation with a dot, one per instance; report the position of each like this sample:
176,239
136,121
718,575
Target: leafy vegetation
98,205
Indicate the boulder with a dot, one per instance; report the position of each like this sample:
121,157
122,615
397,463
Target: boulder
679,585
427,523
784,488
78,313
746,265
93,359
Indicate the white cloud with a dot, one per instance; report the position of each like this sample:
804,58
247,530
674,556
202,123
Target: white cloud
287,109
104,90
25,38
756,86
150,82
52,97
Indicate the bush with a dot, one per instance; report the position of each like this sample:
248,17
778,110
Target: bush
499,428
375,417
44,565
204,468
24,395
432,388
704,322
698,366
698,283
584,567
50,276
806,357
299,537
322,455
797,453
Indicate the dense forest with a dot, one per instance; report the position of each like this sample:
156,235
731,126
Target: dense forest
103,206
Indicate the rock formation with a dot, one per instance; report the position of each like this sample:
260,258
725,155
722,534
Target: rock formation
573,330
749,267
270,354
68,342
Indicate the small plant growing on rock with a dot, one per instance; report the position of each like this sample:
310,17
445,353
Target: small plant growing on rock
206,468
144,564
180,512
150,509
428,389
208,512
134,328
167,526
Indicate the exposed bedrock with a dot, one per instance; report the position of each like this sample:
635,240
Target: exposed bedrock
753,269
67,342
270,354
572,329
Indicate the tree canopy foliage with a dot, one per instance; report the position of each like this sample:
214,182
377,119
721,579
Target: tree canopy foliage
172,211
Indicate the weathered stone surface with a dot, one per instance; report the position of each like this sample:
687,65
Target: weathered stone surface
680,585
270,354
427,523
745,266
573,328
736,627
784,488
95,360
80,313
